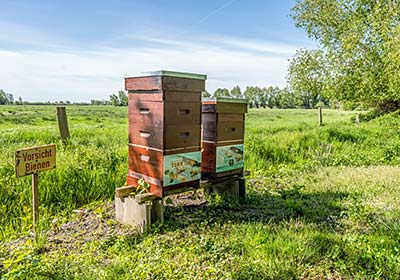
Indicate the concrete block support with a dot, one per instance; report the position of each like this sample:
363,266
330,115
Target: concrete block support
129,211
242,188
157,210
231,188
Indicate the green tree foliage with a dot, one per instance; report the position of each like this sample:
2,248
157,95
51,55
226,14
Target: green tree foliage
255,96
221,92
120,99
286,99
99,102
359,40
307,77
206,94
272,97
236,92
6,98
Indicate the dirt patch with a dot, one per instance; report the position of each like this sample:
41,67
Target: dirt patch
89,225
97,223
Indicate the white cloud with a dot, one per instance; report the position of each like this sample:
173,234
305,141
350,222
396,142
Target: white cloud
95,74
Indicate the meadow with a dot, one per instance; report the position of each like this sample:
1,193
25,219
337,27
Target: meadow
322,202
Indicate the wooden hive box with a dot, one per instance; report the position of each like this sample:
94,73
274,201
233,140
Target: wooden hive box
164,129
223,136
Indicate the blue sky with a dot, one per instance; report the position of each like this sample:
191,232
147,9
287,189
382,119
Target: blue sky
81,50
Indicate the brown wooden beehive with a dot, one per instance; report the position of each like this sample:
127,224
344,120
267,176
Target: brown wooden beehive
223,136
164,129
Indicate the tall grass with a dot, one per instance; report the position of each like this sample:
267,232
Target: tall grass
89,167
294,141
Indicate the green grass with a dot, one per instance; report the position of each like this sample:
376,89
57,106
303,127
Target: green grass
322,203
89,168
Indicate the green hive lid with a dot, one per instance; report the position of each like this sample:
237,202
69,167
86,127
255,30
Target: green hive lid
224,100
165,73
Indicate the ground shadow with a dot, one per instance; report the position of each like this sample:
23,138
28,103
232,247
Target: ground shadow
321,208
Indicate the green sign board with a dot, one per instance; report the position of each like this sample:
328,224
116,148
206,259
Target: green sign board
230,157
181,168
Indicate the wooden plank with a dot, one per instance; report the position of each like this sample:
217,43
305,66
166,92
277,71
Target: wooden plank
143,197
179,190
140,198
124,191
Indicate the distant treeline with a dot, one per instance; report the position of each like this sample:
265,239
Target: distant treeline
266,97
272,97
120,99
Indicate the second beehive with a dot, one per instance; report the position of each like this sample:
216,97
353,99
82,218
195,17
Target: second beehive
223,136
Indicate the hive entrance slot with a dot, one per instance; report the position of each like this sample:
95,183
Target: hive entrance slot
144,158
144,134
231,129
184,134
144,111
183,112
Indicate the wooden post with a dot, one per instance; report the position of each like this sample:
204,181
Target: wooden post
35,200
357,119
63,123
319,116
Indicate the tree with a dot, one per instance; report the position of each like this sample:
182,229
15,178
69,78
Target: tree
286,99
221,92
359,40
6,98
206,94
123,98
99,102
120,99
236,92
114,100
307,77
254,96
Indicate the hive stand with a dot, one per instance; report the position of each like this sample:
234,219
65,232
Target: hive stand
143,209
230,187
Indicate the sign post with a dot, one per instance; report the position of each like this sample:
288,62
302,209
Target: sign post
35,200
31,161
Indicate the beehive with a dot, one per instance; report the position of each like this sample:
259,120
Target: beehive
223,136
164,129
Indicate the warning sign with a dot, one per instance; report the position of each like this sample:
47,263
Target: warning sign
35,159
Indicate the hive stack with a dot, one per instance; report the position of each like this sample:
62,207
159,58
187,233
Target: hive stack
164,129
223,136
